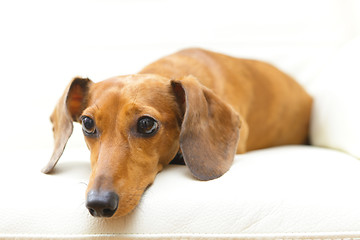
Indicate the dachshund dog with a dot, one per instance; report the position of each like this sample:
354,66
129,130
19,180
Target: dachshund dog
200,105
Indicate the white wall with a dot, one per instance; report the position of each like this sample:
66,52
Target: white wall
43,44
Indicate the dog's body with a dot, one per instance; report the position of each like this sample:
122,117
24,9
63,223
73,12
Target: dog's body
205,105
272,105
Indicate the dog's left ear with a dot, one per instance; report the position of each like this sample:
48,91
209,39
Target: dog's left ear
209,131
67,110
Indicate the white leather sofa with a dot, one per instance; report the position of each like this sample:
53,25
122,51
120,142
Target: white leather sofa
288,192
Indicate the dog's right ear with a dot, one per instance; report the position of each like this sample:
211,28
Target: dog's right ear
210,129
68,109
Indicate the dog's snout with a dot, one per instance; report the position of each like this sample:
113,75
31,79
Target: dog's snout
102,203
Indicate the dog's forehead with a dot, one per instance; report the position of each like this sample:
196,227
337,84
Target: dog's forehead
147,89
127,84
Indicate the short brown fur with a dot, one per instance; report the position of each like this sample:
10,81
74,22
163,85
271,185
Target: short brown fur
209,106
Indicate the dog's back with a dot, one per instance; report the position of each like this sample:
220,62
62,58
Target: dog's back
274,108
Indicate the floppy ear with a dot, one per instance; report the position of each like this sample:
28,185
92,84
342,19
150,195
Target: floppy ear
209,131
67,110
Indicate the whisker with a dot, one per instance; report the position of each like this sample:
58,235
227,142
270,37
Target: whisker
84,183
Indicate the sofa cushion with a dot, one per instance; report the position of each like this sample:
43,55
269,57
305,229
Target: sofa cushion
336,110
292,191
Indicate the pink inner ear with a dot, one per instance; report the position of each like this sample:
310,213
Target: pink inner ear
75,100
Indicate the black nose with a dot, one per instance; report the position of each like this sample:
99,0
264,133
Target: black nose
102,203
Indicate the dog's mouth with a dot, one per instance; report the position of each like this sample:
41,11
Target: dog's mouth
108,204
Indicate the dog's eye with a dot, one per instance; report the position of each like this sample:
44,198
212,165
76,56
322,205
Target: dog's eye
88,125
147,125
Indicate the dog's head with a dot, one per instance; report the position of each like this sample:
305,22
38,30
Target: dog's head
135,125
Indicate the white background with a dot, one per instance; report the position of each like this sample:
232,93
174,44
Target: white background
43,44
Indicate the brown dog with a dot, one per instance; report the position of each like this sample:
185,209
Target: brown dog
204,105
